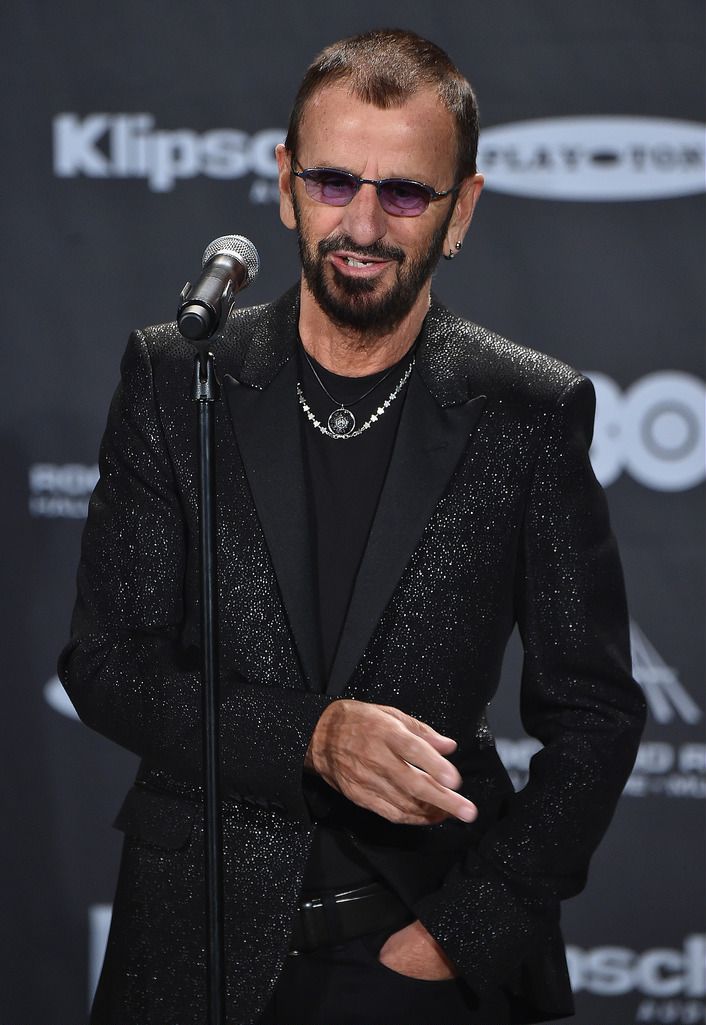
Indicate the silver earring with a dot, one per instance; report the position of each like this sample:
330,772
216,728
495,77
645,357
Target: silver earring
459,245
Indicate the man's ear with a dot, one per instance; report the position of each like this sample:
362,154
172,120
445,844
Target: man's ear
466,200
284,164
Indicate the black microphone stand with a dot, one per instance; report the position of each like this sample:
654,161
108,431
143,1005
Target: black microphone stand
230,263
205,392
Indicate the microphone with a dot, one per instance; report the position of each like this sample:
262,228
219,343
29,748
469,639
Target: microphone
230,263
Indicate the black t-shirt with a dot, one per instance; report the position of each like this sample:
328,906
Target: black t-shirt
344,481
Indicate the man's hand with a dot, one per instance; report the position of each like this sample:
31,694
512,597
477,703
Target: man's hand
386,761
413,951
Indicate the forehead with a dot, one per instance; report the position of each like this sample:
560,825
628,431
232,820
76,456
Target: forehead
415,139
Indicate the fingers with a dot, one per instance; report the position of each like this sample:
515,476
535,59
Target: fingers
416,752
395,803
414,740
422,787
386,761
423,730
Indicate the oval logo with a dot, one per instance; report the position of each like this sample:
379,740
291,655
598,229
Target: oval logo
595,159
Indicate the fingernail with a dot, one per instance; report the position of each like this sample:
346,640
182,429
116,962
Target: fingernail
468,814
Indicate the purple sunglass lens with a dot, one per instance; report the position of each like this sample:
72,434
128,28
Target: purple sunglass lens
331,188
398,196
403,198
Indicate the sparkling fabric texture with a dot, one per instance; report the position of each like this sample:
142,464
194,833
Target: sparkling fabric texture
518,532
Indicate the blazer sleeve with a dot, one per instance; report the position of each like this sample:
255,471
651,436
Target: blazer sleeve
124,668
578,698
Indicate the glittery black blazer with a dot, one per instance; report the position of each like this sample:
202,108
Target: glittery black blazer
490,516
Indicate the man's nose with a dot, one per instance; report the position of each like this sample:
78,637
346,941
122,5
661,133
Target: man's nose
364,220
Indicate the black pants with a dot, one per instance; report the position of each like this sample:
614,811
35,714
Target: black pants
347,985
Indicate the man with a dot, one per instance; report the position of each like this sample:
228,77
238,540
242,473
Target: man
397,488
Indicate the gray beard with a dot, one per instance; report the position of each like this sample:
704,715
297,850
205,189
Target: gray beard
353,304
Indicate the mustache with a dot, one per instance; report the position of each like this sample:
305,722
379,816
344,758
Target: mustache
376,251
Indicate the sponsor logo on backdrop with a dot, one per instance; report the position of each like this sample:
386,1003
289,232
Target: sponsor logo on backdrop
667,698
579,158
57,698
669,983
655,430
591,158
668,770
98,927
60,491
661,768
131,146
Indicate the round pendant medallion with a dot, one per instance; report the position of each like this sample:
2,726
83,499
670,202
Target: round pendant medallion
341,422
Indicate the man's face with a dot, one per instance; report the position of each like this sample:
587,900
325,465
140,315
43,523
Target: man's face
364,267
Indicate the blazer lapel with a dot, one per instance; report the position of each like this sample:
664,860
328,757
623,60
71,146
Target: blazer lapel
436,423
267,423
430,442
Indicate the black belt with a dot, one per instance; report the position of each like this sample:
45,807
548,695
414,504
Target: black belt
333,918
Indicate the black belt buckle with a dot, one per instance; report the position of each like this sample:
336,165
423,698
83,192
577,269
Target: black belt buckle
341,916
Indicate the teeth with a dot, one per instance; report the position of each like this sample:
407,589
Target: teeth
357,263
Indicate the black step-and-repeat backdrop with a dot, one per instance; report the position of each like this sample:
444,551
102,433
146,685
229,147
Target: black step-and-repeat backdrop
136,133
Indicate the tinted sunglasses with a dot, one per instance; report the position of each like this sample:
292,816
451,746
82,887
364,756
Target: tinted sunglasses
400,197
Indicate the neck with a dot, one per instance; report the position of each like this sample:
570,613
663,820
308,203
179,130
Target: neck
354,353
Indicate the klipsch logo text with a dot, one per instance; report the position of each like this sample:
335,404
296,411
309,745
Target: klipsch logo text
669,982
661,972
130,146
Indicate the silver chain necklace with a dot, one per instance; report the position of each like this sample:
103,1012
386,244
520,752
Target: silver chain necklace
341,423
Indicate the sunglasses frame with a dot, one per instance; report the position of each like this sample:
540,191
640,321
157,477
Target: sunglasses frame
379,183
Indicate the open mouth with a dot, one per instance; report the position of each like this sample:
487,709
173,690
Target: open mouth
358,264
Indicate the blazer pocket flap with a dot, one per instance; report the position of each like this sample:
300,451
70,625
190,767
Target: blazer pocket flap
156,818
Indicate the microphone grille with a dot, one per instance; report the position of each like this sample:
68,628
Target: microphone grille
239,247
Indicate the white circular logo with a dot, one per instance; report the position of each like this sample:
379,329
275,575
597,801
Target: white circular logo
655,430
